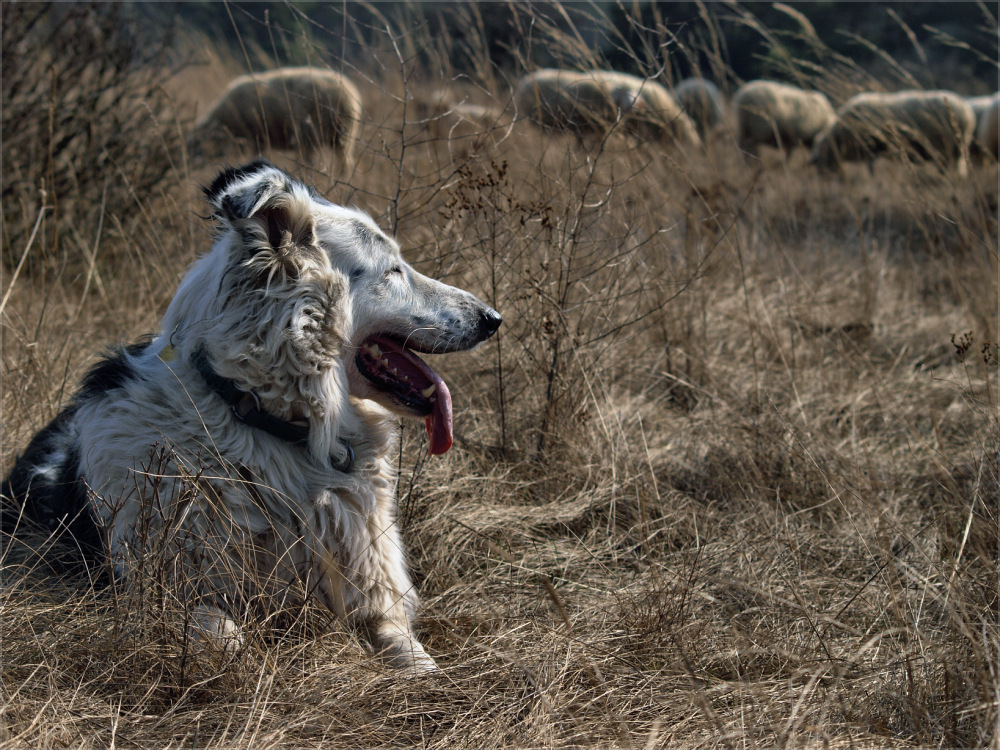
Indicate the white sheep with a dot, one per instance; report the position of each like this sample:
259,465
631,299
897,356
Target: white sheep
286,108
447,117
592,102
929,125
702,101
769,113
987,112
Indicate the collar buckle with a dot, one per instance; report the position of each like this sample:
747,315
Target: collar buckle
248,403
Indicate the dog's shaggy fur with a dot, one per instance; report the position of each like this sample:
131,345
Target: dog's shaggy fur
256,428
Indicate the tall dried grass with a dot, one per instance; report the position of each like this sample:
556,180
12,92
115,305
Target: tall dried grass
727,476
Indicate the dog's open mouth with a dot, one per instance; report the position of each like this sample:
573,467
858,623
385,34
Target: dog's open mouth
412,385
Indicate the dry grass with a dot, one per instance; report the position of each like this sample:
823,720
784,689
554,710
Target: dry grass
727,476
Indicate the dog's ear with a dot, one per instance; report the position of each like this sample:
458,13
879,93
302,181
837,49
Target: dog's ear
287,228
272,212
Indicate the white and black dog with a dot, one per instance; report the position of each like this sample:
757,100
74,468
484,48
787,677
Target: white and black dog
261,415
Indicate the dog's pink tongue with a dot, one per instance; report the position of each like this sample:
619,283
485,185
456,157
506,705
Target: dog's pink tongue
403,363
439,421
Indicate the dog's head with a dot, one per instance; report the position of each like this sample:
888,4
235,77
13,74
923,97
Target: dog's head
308,286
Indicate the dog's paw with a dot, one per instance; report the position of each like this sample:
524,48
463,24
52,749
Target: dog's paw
404,652
212,626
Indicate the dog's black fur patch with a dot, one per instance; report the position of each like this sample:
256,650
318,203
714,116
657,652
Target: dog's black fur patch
113,371
232,208
56,501
39,452
230,174
56,507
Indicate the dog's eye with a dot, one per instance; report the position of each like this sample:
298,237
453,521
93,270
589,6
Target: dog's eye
394,269
357,273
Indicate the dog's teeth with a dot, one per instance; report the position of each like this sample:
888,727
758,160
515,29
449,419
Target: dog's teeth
426,392
373,349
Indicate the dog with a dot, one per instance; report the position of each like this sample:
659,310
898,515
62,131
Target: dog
256,429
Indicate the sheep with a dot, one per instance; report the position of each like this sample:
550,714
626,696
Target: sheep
930,125
447,118
592,102
284,108
987,112
769,113
702,101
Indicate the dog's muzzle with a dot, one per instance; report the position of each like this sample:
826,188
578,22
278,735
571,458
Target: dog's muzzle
408,385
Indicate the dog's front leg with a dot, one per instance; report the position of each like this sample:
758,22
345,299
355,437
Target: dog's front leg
391,598
365,578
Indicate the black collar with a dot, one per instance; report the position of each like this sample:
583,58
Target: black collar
246,408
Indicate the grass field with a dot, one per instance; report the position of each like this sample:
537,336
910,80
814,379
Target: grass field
726,477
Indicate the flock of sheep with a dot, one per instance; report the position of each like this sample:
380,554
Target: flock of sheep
312,107
930,125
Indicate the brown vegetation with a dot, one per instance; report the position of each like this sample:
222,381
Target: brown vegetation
726,476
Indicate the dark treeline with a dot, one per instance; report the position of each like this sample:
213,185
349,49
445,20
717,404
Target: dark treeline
930,44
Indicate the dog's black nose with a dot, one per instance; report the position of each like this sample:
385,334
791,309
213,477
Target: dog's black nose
489,322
